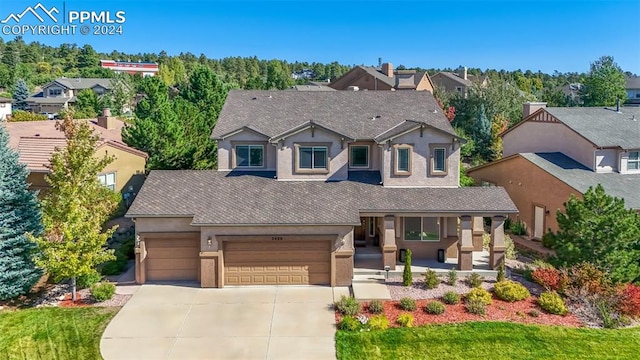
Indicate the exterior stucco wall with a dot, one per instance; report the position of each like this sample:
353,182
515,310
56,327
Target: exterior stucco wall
421,174
144,225
424,84
448,84
225,150
606,160
527,185
338,156
129,168
531,137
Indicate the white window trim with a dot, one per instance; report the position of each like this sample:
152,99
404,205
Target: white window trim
351,157
444,160
249,166
404,229
629,160
105,183
312,170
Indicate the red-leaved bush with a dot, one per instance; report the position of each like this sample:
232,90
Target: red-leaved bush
549,278
629,303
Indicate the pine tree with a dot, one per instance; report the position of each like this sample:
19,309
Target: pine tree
20,94
407,275
19,215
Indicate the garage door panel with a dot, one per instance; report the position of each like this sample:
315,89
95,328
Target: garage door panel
171,275
172,259
276,245
168,253
168,264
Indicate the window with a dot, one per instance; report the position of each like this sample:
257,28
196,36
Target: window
108,180
249,155
403,160
55,92
459,89
313,158
372,227
633,163
438,159
359,156
421,229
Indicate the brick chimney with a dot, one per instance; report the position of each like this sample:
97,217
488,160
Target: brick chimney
106,120
462,72
530,107
387,69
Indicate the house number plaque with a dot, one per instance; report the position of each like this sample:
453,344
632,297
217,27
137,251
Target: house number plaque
276,238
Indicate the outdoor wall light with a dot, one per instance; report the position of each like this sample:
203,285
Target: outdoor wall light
137,241
209,241
387,268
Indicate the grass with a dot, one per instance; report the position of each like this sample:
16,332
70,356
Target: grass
53,333
489,340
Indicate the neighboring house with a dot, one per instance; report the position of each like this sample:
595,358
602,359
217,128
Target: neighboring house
384,78
143,68
313,86
458,82
305,177
62,92
36,141
303,74
633,90
572,91
555,152
5,108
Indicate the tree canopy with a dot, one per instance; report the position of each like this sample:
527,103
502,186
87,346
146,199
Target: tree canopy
604,84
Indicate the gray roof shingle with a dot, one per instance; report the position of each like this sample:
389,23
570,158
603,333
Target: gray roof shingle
84,83
633,82
579,177
353,113
240,198
602,126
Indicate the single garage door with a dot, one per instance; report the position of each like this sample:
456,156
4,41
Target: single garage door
277,263
172,259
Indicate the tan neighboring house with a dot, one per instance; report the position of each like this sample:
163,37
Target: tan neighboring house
62,92
384,78
456,82
555,152
306,181
5,108
36,141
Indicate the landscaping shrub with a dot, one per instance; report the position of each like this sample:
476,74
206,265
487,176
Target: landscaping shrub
21,115
405,320
476,306
434,308
549,278
518,228
534,313
548,240
115,267
611,319
85,281
451,297
375,307
407,304
452,277
349,323
510,248
407,276
127,248
347,305
629,300
378,322
431,280
103,291
585,276
552,303
479,294
501,272
511,291
475,280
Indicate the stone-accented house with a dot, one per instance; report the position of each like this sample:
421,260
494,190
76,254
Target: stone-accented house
304,177
384,78
36,141
62,92
555,152
457,82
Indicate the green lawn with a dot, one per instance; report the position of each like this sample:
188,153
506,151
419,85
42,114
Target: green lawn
489,340
53,333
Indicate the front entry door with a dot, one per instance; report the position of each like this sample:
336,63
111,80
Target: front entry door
538,222
359,231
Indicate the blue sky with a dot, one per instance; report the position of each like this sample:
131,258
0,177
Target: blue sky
536,35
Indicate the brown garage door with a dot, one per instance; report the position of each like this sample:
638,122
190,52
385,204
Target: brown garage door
172,259
277,263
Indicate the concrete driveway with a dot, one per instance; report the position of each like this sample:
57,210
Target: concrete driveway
187,322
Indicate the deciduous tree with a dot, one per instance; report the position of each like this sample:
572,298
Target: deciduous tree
604,84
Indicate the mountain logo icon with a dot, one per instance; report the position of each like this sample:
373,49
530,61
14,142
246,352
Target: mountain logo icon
34,11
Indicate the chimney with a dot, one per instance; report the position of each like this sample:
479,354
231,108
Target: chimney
106,120
387,69
462,72
530,107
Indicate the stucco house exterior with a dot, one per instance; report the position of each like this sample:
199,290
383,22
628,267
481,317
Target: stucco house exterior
383,78
62,92
304,177
36,141
555,152
633,90
457,82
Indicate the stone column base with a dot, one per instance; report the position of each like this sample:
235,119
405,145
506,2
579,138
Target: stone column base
465,258
389,256
496,256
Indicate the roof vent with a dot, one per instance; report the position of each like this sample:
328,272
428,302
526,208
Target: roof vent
254,98
435,111
37,135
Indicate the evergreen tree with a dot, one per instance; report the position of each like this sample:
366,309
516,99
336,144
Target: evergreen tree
20,94
19,215
407,275
604,84
482,134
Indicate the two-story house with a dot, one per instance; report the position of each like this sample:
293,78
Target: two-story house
62,92
383,78
633,90
554,152
458,82
304,180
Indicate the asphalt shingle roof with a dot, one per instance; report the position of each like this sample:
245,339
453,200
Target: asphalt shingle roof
359,114
581,178
240,198
84,83
602,126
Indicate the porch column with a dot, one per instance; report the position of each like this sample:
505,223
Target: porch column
496,246
389,247
465,244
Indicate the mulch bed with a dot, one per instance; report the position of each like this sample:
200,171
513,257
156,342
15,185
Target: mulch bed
499,310
80,301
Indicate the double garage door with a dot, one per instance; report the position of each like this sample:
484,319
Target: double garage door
246,262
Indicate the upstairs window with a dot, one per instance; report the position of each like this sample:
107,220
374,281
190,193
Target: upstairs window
55,92
633,163
313,158
108,180
421,229
249,155
359,156
403,160
438,160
